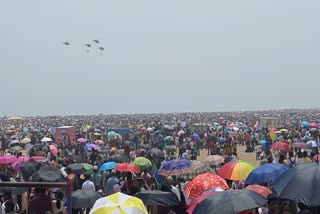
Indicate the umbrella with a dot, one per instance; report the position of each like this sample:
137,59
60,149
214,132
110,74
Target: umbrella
142,163
26,140
108,166
316,158
127,167
305,124
204,182
14,143
266,173
313,124
176,167
25,130
262,190
300,145
143,146
170,148
119,203
82,140
112,135
196,136
222,140
97,134
16,165
16,148
38,158
230,202
237,171
283,130
8,159
150,129
88,168
46,139
99,142
27,168
119,158
158,198
281,146
77,168
199,168
214,160
301,184
167,138
84,199
48,174
198,200
53,150
312,144
156,152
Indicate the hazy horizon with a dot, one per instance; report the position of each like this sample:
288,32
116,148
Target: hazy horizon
168,56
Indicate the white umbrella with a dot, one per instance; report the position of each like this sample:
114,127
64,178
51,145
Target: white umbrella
312,144
46,139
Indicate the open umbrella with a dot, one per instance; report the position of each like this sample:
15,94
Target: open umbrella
305,124
176,167
199,168
170,148
77,168
237,171
204,182
46,139
118,158
53,150
14,143
119,203
112,135
156,152
198,200
301,184
81,140
300,145
214,160
88,168
262,190
108,166
48,174
313,124
230,202
8,159
27,168
127,167
281,146
158,198
142,163
84,199
196,136
266,173
312,144
26,140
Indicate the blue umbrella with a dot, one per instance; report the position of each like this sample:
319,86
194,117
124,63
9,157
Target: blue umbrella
263,142
266,173
25,130
305,124
108,166
196,136
176,167
222,140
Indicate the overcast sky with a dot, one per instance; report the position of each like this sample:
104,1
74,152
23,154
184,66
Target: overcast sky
160,56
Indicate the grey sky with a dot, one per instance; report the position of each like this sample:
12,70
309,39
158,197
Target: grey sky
160,56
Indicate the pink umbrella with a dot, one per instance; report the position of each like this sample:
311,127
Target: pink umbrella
53,150
281,146
8,159
16,165
180,133
300,145
231,125
313,124
38,158
195,202
82,140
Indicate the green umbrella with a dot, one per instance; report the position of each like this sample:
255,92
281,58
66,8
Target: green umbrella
88,168
16,148
112,135
142,163
167,138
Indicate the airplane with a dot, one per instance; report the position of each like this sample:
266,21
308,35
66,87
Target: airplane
96,41
66,43
88,45
101,48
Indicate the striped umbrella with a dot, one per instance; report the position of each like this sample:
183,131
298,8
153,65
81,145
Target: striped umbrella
199,168
237,171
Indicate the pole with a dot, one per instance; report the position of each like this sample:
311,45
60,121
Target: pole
69,202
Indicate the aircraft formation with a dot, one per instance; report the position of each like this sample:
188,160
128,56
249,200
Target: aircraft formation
94,43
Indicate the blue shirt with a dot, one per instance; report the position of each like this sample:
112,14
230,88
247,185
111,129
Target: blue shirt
159,178
110,183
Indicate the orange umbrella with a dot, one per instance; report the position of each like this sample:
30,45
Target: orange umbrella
100,142
261,190
113,149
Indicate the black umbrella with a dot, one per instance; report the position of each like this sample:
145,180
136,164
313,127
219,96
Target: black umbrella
159,198
300,183
84,198
156,152
48,174
170,148
27,168
77,168
230,202
143,146
119,158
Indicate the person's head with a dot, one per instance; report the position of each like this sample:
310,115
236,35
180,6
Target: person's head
95,169
281,158
300,154
291,154
6,196
68,170
113,173
287,208
305,154
87,177
9,206
272,203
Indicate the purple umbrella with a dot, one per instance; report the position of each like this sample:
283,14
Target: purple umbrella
196,136
176,167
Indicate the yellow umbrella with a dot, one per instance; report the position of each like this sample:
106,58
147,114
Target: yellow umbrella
15,118
26,140
283,130
119,203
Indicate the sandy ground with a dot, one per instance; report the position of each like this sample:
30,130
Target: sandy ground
250,157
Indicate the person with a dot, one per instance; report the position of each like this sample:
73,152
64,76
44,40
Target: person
7,197
57,202
40,202
291,160
272,204
170,182
9,207
88,185
96,178
306,157
111,182
287,208
72,179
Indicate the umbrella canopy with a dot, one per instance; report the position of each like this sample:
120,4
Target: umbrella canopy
236,170
16,165
48,174
26,140
214,160
196,136
84,198
167,138
142,163
88,168
199,168
119,158
300,145
283,130
156,152
127,167
46,139
53,150
99,142
300,183
81,140
198,200
77,168
312,144
176,167
281,146
108,166
14,143
158,198
305,124
119,203
180,133
170,148
27,168
204,182
8,159
261,190
266,173
236,201
313,124
112,135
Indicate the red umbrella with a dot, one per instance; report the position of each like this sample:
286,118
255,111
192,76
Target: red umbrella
316,158
261,190
127,167
198,200
281,146
204,182
300,145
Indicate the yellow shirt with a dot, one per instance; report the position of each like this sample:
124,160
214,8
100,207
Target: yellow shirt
307,160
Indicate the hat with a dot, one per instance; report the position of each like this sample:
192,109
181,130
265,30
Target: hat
95,168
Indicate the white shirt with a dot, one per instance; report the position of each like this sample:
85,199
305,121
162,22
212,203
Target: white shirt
3,207
88,185
176,191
